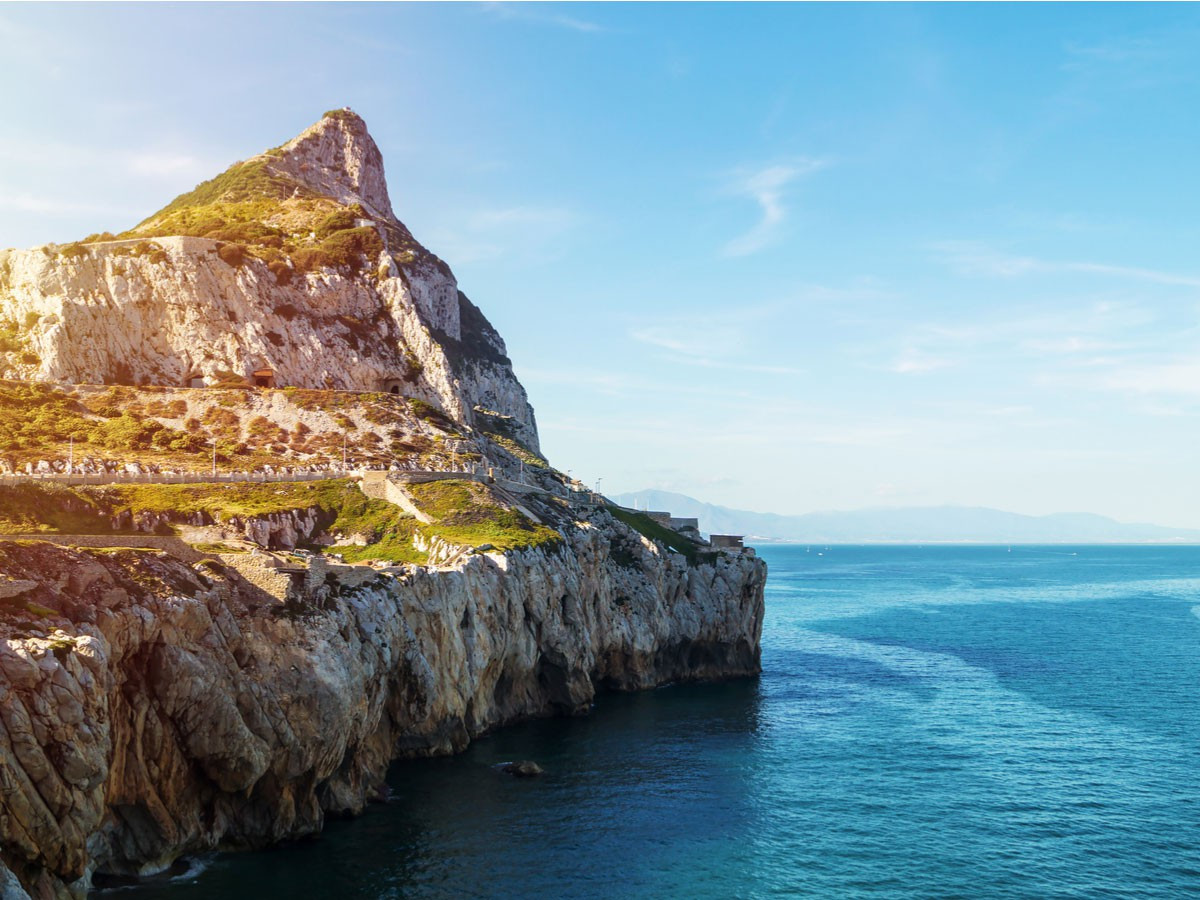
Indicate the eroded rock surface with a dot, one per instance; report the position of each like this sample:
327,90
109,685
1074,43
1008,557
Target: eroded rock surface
150,709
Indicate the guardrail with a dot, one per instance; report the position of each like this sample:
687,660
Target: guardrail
173,477
576,497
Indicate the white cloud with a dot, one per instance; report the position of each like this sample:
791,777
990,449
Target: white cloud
912,362
715,340
976,259
1068,345
1179,378
765,186
51,206
698,340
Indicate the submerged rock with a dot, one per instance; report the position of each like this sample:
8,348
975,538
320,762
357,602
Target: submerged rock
525,768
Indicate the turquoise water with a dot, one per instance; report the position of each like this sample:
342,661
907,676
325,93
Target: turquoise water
931,722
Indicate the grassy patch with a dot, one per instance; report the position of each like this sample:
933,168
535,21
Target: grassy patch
468,513
239,183
56,509
218,547
121,423
388,529
517,449
434,416
259,212
225,501
50,509
647,527
35,417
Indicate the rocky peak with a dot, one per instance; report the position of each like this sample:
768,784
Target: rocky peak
269,265
337,158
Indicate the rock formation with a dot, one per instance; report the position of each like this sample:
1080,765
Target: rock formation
155,703
161,307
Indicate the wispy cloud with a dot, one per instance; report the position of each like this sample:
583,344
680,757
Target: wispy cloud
766,186
1180,378
37,155
977,259
1125,49
45,205
543,15
695,340
1071,345
720,339
916,362
1095,336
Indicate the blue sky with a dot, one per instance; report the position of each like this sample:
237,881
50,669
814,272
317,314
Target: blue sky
777,257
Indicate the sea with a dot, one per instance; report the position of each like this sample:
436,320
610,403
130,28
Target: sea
931,722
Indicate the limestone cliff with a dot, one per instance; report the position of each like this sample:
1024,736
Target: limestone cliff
158,702
150,709
292,261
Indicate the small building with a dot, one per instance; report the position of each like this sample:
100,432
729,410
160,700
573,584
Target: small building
195,380
726,541
263,378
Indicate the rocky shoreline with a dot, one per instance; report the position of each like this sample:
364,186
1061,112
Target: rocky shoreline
163,709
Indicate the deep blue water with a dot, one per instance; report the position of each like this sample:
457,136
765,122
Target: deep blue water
931,722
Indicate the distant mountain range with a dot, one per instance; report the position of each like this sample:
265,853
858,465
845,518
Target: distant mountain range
909,524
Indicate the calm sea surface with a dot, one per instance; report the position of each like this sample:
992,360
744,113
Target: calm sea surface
931,722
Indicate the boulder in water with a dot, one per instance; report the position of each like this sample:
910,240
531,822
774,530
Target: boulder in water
525,768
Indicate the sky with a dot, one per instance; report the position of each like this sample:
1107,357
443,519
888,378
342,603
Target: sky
777,257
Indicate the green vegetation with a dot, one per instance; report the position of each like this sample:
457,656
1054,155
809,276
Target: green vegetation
47,508
647,527
34,416
240,182
11,338
232,254
225,501
468,513
176,427
256,212
434,416
502,431
519,450
388,529
218,547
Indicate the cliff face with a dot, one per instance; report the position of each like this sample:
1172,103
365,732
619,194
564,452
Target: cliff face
253,271
170,708
156,703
